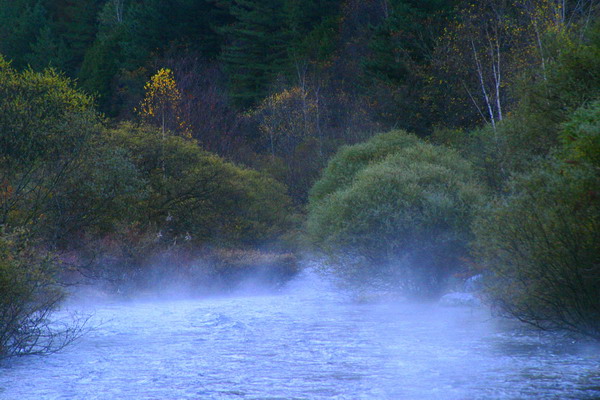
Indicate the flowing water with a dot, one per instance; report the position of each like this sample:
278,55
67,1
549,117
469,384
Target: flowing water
305,342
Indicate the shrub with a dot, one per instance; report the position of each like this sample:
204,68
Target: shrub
45,126
542,246
195,194
29,294
542,242
486,148
42,117
581,136
102,193
349,160
414,205
571,81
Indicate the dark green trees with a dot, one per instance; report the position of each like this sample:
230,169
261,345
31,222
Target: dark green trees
256,49
406,38
74,24
22,23
154,26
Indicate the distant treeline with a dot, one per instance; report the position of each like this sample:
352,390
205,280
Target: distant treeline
280,84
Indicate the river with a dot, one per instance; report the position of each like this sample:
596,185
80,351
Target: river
307,341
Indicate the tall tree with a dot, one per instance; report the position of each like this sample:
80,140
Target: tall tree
21,22
162,103
401,52
48,51
256,49
489,47
75,22
406,37
154,25
99,67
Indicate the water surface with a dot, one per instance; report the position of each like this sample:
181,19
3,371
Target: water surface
306,342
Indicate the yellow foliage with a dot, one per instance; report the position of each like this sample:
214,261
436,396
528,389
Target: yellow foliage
162,103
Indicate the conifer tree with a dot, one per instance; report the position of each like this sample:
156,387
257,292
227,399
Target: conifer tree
256,50
155,25
21,22
98,69
75,24
48,51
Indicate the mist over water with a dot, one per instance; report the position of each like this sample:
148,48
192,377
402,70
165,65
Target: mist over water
307,340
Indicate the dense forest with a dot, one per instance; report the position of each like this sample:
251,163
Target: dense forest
414,142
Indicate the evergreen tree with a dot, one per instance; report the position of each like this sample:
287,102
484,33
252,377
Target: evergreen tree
312,27
303,16
155,25
99,67
406,37
256,50
48,51
399,58
21,22
75,23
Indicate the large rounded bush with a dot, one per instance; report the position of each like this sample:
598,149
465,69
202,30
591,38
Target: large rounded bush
349,160
195,194
43,118
410,210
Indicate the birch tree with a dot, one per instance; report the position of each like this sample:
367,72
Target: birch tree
162,104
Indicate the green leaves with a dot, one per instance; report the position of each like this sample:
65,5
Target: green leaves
257,48
41,116
396,197
192,192
580,136
349,160
541,245
45,127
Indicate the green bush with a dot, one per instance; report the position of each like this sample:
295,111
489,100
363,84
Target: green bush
542,246
581,136
192,193
29,294
42,117
349,160
59,177
102,193
45,126
485,148
412,208
572,79
535,129
542,242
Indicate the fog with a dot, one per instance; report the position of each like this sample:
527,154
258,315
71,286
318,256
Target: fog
307,339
